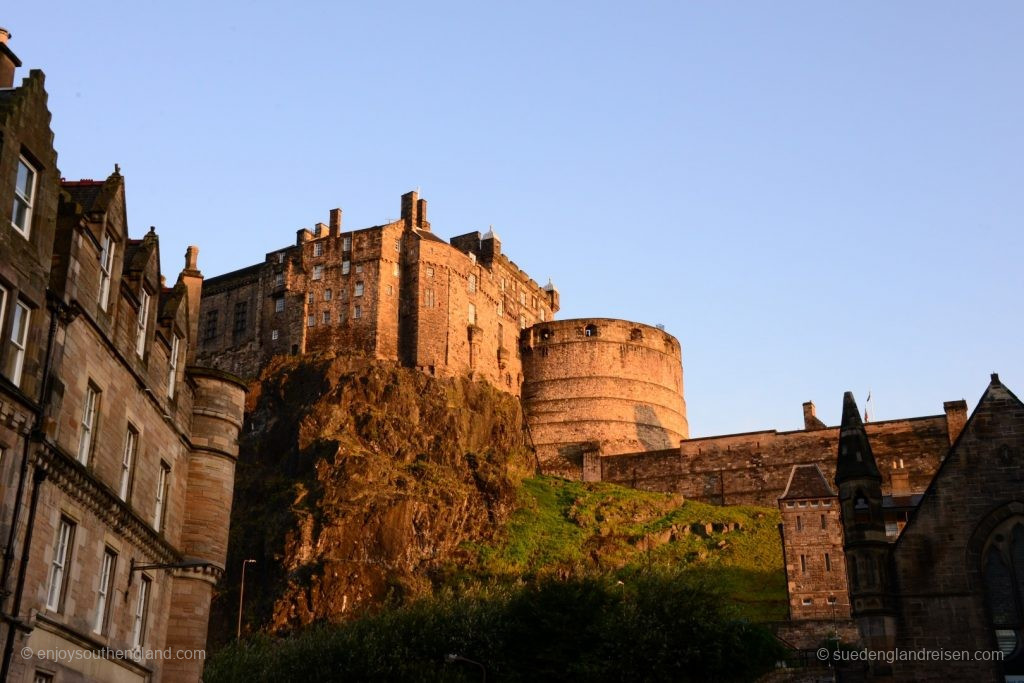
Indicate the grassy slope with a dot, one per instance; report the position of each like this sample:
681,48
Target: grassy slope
570,528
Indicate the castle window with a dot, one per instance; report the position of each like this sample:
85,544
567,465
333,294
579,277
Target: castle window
828,563
279,280
143,323
327,295
390,290
24,197
210,331
275,334
90,408
359,267
346,244
62,546
472,314
105,591
357,313
127,462
807,601
241,316
543,315
310,320
1003,571
590,331
472,283
394,269
345,267
310,297
163,486
318,272
172,365
359,289
280,257
318,249
430,271
824,522
398,245
106,268
19,341
803,564
892,529
522,298
428,298
522,322
503,284
327,317
799,523
279,304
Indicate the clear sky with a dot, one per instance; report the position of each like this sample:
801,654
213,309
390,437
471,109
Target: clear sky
812,196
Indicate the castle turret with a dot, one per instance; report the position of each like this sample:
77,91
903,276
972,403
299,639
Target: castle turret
216,421
865,543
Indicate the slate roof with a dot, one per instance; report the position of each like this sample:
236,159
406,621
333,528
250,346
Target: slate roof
807,481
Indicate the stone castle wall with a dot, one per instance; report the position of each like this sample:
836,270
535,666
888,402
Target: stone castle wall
753,468
601,386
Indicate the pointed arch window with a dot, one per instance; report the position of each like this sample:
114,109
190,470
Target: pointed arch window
1002,566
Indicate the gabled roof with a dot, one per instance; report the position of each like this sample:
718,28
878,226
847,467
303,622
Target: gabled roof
807,481
93,195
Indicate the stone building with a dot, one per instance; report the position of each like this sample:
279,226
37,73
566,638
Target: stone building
952,580
812,545
394,292
597,387
116,451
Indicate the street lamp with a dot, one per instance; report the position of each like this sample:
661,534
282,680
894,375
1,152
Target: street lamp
459,658
241,597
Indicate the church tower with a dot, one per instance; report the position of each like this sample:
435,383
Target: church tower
864,540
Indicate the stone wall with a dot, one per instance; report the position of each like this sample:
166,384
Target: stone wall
597,384
752,468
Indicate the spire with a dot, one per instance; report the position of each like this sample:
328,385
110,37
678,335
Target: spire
855,458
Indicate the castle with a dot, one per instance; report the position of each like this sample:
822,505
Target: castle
117,451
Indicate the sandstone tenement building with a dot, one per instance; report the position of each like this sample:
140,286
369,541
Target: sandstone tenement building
394,292
116,451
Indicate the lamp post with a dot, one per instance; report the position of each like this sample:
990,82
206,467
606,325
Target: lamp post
241,597
459,658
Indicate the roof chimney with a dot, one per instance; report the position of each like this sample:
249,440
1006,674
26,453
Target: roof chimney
811,420
335,222
8,61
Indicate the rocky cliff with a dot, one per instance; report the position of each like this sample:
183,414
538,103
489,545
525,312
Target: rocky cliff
356,479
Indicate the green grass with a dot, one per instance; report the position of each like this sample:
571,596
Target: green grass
568,528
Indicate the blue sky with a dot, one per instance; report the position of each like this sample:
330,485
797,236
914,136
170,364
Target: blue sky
813,197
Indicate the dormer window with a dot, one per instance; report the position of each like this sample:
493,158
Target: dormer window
24,197
106,268
143,323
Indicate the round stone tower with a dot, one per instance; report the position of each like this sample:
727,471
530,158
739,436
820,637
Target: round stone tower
217,411
598,386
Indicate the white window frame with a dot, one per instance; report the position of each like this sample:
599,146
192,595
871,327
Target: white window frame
318,248
471,283
275,334
346,266
20,321
58,567
106,269
172,365
142,322
358,312
108,568
346,243
328,295
28,202
141,612
311,320
90,409
326,318
163,485
359,289
279,305
128,455
318,272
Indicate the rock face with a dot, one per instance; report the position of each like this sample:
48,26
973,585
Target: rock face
356,479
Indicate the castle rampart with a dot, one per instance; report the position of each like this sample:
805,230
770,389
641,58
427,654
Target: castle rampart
601,386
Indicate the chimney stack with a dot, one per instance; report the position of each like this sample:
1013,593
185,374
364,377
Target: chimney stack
956,417
811,420
8,61
335,222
